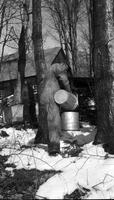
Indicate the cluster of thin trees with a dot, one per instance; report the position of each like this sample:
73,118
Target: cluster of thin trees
94,19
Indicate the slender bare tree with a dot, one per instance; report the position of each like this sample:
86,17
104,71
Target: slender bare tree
22,53
89,35
65,17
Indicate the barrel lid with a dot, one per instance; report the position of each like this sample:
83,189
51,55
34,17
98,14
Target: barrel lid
60,96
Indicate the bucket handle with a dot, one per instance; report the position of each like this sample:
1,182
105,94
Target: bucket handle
76,104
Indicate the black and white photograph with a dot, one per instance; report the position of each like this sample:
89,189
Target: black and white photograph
56,99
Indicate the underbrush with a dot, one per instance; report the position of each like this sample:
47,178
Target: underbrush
22,184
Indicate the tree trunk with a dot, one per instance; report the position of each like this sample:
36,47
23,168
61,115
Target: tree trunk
104,75
89,8
21,67
22,53
42,135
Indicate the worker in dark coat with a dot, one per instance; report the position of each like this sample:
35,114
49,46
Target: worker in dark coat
26,103
28,100
55,75
32,108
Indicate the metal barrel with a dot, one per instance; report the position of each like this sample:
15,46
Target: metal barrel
70,121
66,100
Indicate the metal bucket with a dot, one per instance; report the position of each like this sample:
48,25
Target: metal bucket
66,100
13,113
17,113
70,121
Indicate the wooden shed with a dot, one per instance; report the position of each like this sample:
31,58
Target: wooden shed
8,74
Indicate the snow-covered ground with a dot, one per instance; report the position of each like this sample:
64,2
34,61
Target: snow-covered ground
92,168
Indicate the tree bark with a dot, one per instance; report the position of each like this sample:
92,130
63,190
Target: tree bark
42,135
89,8
21,67
22,54
103,69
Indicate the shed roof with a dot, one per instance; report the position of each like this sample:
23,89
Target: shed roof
10,64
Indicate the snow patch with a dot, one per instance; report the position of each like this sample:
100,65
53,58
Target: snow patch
91,169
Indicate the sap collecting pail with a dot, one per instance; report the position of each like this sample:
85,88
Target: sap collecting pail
13,113
17,113
70,121
66,100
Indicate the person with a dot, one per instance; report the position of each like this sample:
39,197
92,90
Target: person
55,78
26,103
32,110
29,112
